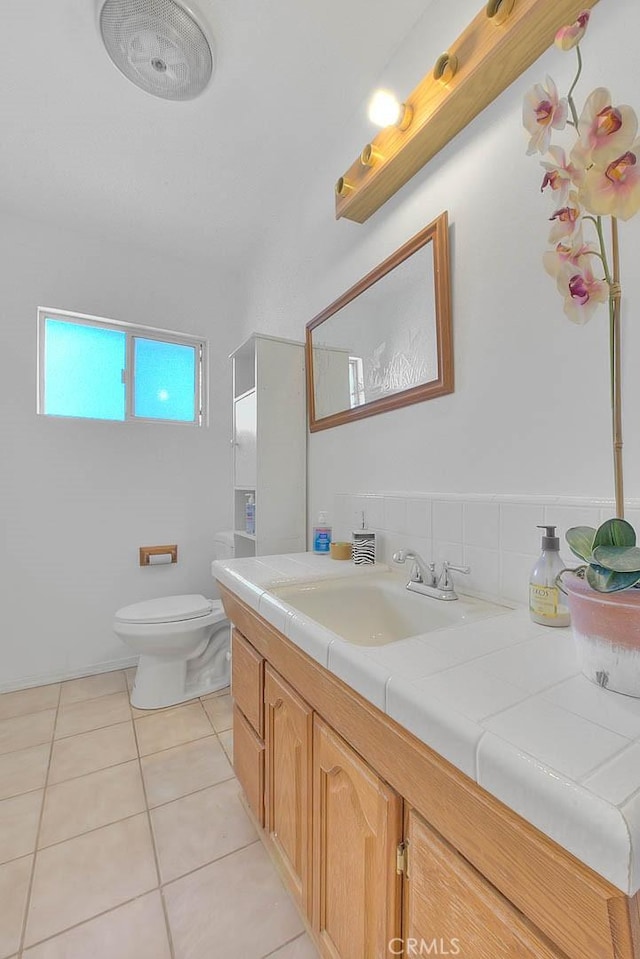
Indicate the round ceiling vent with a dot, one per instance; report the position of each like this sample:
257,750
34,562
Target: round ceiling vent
158,45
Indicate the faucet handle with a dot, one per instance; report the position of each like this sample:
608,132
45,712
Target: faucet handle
445,580
455,569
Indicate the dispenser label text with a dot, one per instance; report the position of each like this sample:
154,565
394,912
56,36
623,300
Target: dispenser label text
543,600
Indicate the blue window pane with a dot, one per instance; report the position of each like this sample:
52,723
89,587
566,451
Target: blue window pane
165,377
83,371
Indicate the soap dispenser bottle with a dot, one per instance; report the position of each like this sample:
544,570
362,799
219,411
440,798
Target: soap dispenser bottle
250,514
546,604
322,535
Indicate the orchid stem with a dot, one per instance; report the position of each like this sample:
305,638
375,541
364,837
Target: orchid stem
616,372
572,106
603,247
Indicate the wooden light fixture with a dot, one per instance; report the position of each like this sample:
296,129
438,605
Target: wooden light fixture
505,38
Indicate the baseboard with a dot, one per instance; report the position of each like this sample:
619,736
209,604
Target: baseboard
46,679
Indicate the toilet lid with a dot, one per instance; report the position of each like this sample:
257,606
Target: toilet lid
167,609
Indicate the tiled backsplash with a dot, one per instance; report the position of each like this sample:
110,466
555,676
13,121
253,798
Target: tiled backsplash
495,535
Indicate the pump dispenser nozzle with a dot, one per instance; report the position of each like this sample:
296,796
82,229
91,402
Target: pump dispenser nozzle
550,541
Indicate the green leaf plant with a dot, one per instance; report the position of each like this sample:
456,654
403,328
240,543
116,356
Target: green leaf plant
610,553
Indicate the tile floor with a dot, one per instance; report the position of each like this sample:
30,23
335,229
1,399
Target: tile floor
122,833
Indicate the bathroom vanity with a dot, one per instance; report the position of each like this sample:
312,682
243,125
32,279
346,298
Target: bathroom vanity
383,842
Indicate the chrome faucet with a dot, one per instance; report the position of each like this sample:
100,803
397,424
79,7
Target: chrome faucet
424,578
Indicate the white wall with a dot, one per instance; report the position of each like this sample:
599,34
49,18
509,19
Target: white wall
80,497
530,409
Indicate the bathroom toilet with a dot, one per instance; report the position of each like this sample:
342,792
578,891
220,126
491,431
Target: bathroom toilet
183,643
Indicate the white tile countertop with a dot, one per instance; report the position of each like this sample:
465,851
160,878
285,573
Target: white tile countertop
500,698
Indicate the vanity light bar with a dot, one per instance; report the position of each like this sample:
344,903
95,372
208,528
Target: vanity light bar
502,41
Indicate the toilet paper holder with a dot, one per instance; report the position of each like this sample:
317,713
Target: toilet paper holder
158,555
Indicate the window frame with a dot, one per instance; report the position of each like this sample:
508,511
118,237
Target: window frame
131,331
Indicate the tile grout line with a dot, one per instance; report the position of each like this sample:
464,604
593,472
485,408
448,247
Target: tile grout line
122,762
85,922
12,752
205,865
152,834
27,905
274,952
133,815
47,785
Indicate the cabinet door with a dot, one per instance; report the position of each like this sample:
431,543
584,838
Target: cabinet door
245,429
357,825
247,667
451,909
288,742
248,763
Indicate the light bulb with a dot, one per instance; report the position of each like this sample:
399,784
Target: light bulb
384,109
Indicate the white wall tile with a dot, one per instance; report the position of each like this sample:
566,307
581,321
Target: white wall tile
395,514
341,517
447,521
419,518
515,569
496,535
394,542
485,571
564,517
373,507
451,552
518,523
481,525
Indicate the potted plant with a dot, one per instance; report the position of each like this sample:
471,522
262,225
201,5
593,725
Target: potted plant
605,604
597,180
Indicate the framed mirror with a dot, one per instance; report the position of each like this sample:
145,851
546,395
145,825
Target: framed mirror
386,342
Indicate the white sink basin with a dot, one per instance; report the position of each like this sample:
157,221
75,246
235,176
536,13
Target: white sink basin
378,609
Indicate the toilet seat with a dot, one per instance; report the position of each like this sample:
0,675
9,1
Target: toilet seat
169,609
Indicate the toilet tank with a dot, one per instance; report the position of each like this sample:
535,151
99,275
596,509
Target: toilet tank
223,545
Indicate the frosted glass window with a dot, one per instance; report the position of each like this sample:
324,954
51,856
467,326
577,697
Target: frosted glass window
92,368
83,368
165,380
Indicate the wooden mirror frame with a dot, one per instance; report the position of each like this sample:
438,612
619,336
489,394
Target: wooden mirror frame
437,233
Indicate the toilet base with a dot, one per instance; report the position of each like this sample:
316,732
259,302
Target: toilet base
160,682
141,699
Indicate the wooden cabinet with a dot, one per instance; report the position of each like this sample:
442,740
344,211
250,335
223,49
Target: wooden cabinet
475,881
357,826
450,909
288,742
